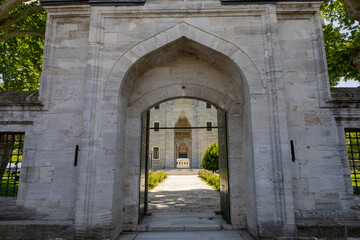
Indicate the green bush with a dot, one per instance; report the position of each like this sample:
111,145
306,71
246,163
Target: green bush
210,178
155,178
8,186
210,160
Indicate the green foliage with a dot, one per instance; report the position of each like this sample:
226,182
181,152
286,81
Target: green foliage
20,63
8,186
356,182
155,178
210,160
353,150
210,178
21,55
342,41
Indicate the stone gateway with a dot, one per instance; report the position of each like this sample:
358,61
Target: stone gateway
106,63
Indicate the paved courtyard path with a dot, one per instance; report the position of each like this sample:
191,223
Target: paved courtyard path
183,193
184,207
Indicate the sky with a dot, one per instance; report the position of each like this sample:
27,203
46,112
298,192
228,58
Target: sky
342,83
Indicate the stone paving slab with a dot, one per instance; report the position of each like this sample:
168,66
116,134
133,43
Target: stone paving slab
183,193
189,235
183,222
184,207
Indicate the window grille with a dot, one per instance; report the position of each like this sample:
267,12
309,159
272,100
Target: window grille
353,146
156,153
209,126
11,151
156,126
208,105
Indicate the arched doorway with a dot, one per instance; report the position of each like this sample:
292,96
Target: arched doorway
182,136
188,71
182,142
184,61
182,150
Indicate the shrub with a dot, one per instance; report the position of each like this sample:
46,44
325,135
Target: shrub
210,178
155,178
210,160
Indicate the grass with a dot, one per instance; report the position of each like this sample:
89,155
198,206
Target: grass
7,186
155,178
210,178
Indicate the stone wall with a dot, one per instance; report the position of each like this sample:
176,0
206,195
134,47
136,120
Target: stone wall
263,64
167,115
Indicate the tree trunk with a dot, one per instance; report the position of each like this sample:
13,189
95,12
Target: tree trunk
353,8
355,61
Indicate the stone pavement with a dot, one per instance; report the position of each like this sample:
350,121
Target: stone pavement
191,235
184,207
183,193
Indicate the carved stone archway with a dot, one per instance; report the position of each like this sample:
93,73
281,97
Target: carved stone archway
250,112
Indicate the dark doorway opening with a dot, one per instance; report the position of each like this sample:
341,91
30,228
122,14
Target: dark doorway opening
183,151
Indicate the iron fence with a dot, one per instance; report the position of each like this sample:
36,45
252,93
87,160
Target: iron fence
11,151
353,145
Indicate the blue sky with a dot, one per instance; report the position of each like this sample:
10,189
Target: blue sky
348,84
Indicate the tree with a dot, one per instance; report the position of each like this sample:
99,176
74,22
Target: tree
342,39
22,31
210,160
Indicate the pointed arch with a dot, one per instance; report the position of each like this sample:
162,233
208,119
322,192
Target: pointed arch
241,60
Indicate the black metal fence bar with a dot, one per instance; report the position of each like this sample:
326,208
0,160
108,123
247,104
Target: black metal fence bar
181,127
353,146
11,151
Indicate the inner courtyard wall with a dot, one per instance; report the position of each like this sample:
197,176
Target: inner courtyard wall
167,115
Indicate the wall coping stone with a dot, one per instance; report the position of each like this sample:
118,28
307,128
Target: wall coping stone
345,93
22,98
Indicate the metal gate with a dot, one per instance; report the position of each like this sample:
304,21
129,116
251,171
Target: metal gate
11,150
223,166
144,164
223,162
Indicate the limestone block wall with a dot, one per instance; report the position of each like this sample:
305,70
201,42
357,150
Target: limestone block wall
18,113
48,176
105,65
158,139
317,173
246,35
345,109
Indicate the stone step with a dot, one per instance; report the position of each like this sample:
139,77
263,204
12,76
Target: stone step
189,235
36,229
183,222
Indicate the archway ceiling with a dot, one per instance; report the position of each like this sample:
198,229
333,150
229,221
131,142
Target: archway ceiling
179,47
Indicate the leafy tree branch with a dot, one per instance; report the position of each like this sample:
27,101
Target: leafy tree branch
342,39
13,34
353,8
9,21
7,6
22,31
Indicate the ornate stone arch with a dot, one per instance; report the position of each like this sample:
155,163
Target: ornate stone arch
245,65
115,111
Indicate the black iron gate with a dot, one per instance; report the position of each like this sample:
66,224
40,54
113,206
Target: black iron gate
11,150
223,166
144,164
223,162
353,149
